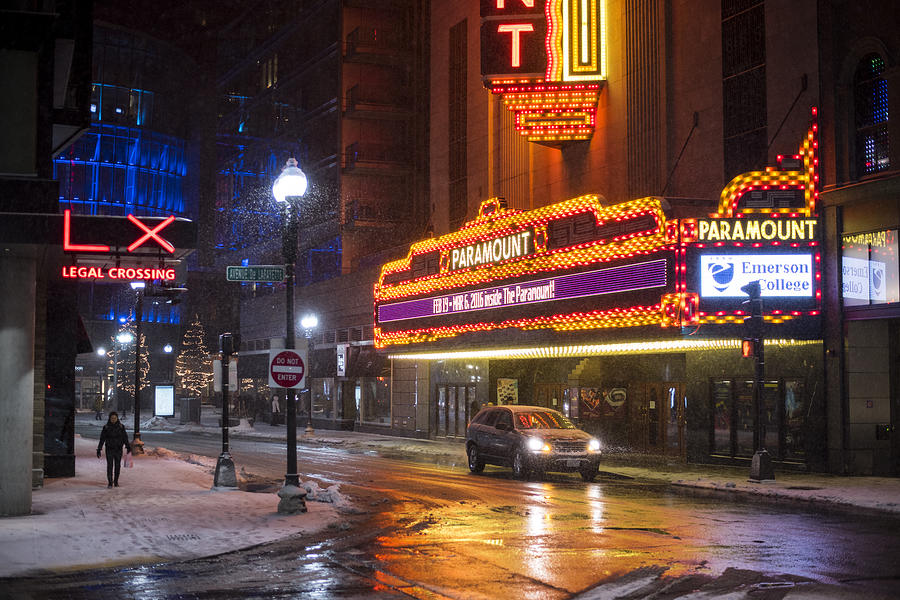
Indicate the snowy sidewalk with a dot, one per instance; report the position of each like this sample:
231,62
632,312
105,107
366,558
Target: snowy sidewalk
163,511
861,494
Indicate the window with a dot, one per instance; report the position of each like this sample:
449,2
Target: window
544,419
505,417
744,85
870,98
490,418
869,268
456,138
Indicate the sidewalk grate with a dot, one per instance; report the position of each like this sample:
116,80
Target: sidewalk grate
182,537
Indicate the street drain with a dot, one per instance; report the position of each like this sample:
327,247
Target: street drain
773,585
807,488
182,537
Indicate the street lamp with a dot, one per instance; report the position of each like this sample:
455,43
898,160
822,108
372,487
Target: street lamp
122,338
308,323
288,188
98,412
170,376
137,446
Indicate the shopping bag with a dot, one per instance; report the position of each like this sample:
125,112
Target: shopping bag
128,460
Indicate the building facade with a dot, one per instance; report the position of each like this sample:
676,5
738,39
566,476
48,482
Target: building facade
681,103
859,47
134,159
342,87
46,56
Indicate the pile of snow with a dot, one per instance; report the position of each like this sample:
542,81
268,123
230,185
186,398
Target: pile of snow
244,427
193,459
158,424
329,495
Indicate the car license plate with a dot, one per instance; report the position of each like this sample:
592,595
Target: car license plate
572,463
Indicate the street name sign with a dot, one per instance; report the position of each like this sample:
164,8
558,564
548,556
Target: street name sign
269,273
287,369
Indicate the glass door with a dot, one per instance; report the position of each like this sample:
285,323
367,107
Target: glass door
675,419
452,410
441,412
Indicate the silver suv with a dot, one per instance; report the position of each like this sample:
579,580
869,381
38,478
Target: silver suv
530,439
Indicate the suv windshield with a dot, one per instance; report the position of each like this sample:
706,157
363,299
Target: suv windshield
544,419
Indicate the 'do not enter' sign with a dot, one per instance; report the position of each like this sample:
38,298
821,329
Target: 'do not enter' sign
287,369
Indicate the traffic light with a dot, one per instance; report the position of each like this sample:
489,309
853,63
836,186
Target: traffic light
749,348
753,309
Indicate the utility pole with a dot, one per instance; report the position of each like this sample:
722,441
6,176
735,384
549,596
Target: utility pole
225,476
761,468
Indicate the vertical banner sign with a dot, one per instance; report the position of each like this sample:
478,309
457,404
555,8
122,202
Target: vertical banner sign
232,374
513,38
342,359
546,59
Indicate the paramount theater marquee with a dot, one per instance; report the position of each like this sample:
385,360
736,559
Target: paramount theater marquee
580,265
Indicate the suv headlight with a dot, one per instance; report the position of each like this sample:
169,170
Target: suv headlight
538,445
594,445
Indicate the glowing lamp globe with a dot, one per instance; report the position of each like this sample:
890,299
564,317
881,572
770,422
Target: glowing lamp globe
291,183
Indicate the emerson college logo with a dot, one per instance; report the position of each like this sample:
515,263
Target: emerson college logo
722,274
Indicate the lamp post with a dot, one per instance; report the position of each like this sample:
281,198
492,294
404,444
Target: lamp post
121,339
170,376
288,188
308,323
225,477
137,446
98,413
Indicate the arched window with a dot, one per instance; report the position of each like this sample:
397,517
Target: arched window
871,102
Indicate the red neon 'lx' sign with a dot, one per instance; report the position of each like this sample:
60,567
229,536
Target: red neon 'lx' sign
148,233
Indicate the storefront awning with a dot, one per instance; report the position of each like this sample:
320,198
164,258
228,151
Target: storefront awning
649,347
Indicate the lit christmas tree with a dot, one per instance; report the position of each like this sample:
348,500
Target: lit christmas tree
193,365
124,370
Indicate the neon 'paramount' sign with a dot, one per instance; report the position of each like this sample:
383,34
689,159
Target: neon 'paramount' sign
750,230
492,251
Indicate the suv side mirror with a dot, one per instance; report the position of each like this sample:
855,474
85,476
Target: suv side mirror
502,426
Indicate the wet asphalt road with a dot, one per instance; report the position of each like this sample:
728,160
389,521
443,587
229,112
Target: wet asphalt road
434,530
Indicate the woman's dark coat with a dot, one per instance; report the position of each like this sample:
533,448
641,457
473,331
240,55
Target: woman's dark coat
114,436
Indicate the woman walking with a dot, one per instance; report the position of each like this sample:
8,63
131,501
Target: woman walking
114,436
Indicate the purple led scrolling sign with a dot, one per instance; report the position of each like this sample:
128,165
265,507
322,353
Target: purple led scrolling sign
612,280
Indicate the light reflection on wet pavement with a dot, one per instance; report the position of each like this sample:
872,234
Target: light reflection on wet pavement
437,531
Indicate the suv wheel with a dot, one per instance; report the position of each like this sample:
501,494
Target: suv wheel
476,464
520,471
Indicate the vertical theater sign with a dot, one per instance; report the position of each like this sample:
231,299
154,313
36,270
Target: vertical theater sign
547,60
580,265
766,229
